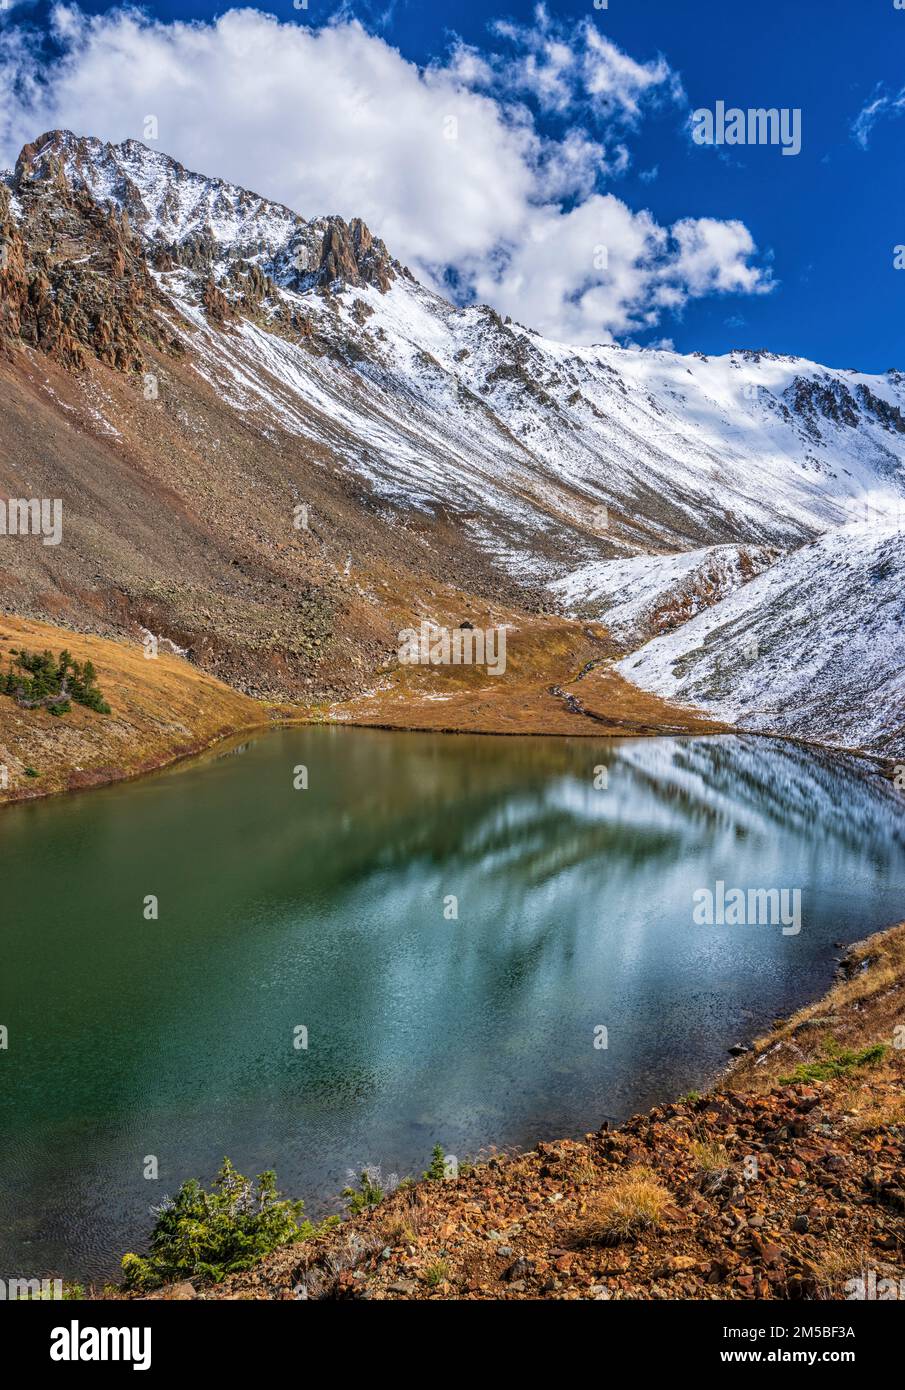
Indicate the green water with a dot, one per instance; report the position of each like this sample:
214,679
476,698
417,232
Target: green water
329,908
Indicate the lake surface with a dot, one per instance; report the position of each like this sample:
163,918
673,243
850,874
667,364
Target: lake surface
329,908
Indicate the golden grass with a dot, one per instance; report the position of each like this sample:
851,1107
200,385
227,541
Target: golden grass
161,710
541,652
632,1204
865,1009
836,1266
868,1107
585,1173
709,1157
166,709
403,1224
885,952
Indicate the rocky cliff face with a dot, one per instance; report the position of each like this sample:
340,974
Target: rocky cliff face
79,236
834,401
76,281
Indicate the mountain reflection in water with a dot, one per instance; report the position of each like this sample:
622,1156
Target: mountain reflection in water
325,907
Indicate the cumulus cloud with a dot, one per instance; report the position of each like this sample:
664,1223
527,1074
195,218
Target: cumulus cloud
564,69
713,257
447,163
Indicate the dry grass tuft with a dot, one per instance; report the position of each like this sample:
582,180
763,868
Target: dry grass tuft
403,1224
437,1273
710,1157
627,1207
836,1266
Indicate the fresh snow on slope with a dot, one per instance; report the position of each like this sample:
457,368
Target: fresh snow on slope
646,595
813,647
440,406
653,490
437,405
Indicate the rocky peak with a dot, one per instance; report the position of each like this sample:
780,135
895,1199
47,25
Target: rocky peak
75,279
41,159
205,224
83,222
350,254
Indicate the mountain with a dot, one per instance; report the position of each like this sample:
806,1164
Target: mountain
814,643
192,366
646,595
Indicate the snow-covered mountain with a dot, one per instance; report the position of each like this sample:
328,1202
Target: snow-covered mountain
633,485
443,406
814,644
646,595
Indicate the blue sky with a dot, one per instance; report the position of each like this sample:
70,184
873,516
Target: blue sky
554,157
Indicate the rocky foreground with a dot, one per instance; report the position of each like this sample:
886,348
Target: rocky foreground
786,1181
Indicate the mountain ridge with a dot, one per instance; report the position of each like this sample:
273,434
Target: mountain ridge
294,362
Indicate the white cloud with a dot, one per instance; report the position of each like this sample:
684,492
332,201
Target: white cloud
336,120
564,69
882,103
713,257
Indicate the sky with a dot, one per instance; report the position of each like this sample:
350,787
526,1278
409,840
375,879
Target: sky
540,159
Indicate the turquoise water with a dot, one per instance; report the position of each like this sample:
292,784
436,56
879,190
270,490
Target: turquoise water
329,909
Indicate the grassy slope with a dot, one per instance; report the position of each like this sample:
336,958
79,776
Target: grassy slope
162,709
863,1009
167,708
548,687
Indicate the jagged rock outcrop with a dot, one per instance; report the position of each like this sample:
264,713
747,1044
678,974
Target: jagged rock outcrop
216,305
95,230
832,399
350,254
75,282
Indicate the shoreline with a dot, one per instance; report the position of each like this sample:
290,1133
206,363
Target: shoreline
170,711
827,1198
884,766
826,1202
